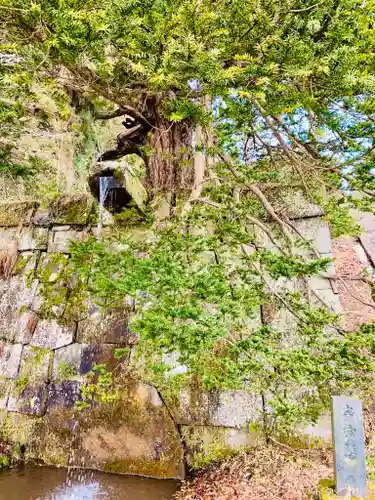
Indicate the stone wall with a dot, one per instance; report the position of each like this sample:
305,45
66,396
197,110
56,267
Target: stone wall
43,362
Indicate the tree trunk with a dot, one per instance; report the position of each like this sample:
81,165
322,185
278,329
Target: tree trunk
170,167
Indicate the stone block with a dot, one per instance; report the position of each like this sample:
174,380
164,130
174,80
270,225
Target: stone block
35,365
21,430
349,446
59,241
292,203
30,401
365,219
33,238
14,296
27,261
5,385
235,409
316,231
14,214
110,328
51,335
146,395
205,444
139,438
327,298
69,362
7,237
50,266
63,394
368,242
95,354
72,210
26,325
10,359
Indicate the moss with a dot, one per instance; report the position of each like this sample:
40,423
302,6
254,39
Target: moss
21,263
71,209
65,370
13,214
327,491
152,468
23,431
31,368
4,462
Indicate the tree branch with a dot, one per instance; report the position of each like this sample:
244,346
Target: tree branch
125,109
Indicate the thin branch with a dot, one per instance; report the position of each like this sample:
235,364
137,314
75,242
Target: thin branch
266,204
305,9
358,299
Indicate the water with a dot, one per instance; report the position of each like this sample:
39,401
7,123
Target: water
104,185
49,483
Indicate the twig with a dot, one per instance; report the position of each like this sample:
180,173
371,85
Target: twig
266,204
358,299
305,9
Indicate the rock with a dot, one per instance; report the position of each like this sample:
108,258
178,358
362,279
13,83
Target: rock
14,295
328,298
26,325
23,431
146,445
111,328
33,239
51,335
10,358
31,400
63,394
50,266
175,367
316,231
7,237
59,241
235,409
14,214
368,243
68,363
5,385
292,203
73,210
205,444
222,409
35,365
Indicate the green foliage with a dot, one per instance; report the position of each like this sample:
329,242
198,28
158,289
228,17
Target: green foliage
4,462
121,352
98,387
66,370
339,218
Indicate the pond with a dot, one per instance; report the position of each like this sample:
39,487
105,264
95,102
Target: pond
48,483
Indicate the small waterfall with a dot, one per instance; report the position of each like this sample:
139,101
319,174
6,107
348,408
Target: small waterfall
104,185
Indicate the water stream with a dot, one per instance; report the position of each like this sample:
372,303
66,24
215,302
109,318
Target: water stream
104,186
49,483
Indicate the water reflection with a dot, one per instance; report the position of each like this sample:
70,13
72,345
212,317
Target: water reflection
47,483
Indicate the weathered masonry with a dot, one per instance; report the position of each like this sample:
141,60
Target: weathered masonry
43,362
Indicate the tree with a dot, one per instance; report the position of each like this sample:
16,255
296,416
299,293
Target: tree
278,94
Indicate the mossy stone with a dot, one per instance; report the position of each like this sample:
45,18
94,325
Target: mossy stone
14,214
